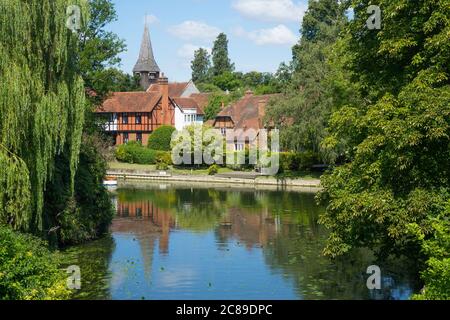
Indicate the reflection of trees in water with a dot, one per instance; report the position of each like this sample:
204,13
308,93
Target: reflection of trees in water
297,254
94,259
282,224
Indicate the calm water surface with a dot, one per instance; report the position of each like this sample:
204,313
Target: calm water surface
172,242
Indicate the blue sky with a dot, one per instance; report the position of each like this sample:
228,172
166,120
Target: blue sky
261,32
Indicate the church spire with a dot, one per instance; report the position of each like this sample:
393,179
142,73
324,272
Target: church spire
146,61
146,67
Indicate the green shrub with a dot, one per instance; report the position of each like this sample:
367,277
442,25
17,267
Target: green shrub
162,156
162,166
306,160
288,162
291,161
437,248
160,138
28,270
122,154
213,170
163,160
134,152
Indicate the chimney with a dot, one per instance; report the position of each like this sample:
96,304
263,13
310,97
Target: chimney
163,84
223,105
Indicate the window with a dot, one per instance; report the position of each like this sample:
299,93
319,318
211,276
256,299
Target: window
139,137
138,118
139,212
125,118
238,147
223,131
125,138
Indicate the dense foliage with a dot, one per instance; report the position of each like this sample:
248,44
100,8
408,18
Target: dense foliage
28,270
303,111
51,181
160,138
201,66
134,152
221,62
99,53
392,192
215,74
437,249
88,214
42,106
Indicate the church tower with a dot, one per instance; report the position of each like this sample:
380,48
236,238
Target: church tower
146,66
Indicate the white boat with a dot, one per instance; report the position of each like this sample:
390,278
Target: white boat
110,182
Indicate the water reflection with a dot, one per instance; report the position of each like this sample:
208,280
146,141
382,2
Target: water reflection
221,243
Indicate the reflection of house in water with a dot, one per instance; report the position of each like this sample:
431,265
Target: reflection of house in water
251,229
146,214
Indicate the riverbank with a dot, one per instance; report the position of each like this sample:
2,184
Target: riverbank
228,177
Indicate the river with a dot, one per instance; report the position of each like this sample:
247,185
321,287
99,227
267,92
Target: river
175,242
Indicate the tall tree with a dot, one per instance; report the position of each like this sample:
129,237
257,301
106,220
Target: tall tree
393,192
201,65
100,49
42,105
303,111
220,58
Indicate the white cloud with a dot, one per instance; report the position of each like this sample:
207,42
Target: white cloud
190,30
271,10
151,19
187,51
279,35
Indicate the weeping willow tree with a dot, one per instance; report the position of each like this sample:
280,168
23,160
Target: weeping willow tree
42,104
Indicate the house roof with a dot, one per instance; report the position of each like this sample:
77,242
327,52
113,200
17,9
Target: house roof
188,103
248,112
130,102
202,99
176,89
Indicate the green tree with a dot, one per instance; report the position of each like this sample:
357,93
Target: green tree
215,103
392,193
99,48
42,106
201,66
284,74
160,138
227,81
303,111
220,58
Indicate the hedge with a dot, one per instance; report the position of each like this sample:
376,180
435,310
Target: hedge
134,152
291,161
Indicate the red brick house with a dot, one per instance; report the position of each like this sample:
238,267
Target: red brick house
133,116
245,115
